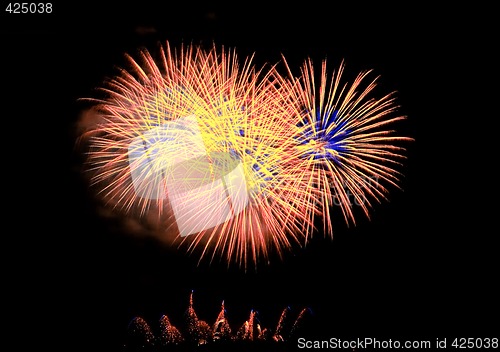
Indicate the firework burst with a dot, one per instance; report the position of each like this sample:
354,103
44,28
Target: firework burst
345,152
235,160
200,100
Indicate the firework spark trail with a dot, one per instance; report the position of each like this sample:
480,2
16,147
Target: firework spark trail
221,328
198,330
140,333
169,334
279,329
298,321
192,318
343,145
246,331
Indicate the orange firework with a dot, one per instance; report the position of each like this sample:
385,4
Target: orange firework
199,139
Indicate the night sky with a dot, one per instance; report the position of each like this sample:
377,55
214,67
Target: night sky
423,267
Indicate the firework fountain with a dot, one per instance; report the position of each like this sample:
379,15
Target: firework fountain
197,332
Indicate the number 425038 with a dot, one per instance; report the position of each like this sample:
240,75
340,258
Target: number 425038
29,7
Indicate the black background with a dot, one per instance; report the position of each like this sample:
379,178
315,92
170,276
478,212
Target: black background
423,267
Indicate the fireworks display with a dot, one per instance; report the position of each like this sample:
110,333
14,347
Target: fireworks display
236,160
196,332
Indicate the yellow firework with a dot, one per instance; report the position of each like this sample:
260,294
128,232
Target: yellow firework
176,135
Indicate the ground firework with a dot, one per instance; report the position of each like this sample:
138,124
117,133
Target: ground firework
194,332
